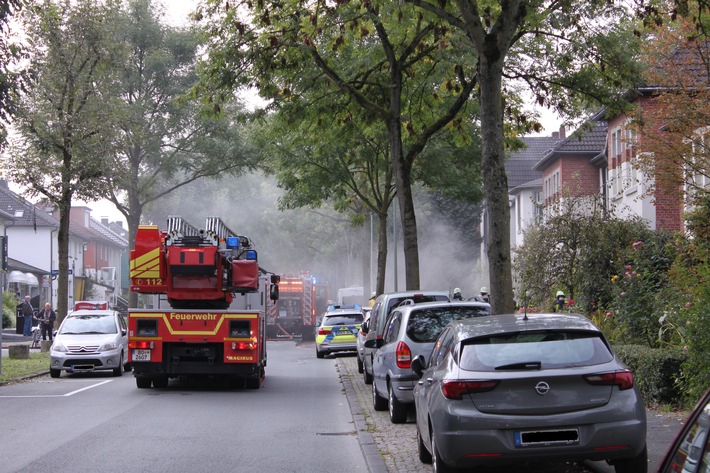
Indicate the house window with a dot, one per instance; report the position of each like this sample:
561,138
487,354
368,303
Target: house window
631,175
518,213
701,158
616,143
537,203
615,177
556,178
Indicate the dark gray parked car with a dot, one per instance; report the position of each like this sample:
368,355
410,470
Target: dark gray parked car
508,388
411,330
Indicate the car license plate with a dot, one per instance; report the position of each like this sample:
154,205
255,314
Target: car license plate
547,438
344,331
141,355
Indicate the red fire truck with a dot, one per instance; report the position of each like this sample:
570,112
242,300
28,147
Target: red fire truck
301,300
200,272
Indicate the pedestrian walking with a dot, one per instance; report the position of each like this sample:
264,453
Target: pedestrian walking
46,320
27,313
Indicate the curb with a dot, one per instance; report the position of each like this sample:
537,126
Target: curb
373,459
24,378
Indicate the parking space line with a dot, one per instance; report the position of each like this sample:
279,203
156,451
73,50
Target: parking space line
62,395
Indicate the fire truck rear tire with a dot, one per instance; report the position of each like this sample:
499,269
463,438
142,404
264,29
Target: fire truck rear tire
143,383
253,383
160,382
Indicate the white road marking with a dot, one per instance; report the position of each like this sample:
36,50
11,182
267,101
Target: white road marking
63,395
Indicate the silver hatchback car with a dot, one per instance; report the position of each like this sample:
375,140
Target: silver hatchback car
410,330
511,388
381,309
90,340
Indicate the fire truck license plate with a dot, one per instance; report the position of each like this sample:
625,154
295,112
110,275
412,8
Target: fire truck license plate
141,355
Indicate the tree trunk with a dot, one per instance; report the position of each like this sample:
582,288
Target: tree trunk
63,257
403,184
133,220
495,184
381,251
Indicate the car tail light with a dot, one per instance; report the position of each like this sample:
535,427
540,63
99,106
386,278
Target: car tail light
322,331
624,379
404,356
455,389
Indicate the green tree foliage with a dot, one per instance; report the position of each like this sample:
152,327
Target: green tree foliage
405,71
165,140
12,76
568,54
690,280
66,120
345,164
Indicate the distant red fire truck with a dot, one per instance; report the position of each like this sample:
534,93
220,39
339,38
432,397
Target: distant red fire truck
301,300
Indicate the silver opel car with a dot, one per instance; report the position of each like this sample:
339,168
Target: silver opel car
510,388
90,340
411,330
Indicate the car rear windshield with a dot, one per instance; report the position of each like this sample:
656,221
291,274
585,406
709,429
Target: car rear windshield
418,299
89,324
534,350
426,324
345,319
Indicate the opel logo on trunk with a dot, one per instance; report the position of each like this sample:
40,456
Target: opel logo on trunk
542,388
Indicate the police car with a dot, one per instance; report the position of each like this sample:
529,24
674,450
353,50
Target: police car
338,328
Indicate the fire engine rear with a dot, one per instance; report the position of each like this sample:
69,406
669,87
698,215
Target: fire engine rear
200,272
301,300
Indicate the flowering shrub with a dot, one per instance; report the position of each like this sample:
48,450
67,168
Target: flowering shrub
638,291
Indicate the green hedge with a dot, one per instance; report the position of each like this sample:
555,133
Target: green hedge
657,372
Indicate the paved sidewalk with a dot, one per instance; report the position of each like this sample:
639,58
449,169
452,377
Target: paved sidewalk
396,444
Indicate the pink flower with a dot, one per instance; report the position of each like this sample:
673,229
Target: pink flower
628,268
637,245
623,294
608,314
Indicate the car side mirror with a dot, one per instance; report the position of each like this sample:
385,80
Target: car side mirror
418,365
274,292
365,327
374,343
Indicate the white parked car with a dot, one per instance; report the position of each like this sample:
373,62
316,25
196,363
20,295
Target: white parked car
90,340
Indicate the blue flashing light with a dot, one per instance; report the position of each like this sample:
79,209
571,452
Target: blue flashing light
346,306
232,242
251,255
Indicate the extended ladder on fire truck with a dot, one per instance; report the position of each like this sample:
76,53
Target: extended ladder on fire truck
215,233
